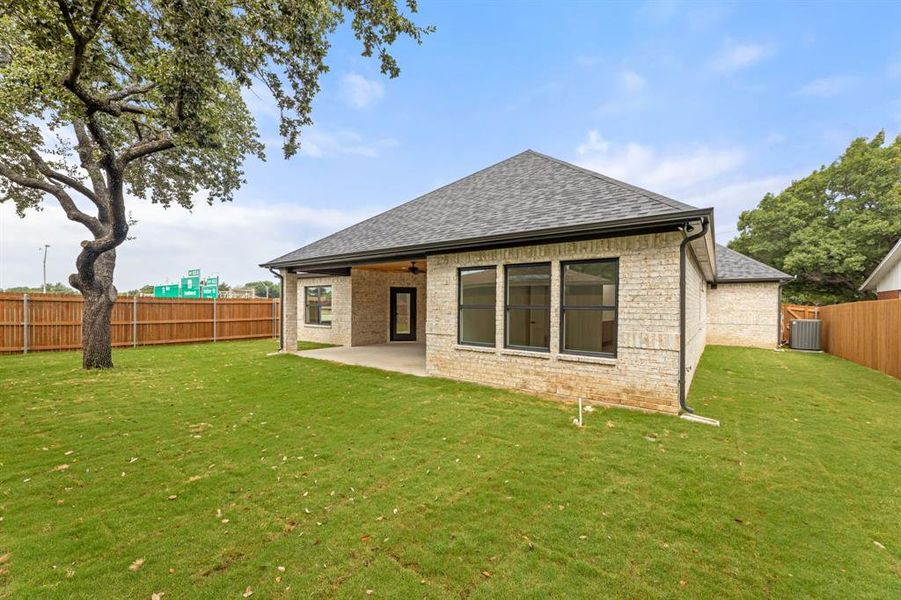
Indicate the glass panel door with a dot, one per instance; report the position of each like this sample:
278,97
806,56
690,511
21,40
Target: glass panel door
403,314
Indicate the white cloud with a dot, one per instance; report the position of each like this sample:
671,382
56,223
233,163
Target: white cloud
733,56
731,199
697,174
825,87
260,102
893,69
672,173
229,239
632,81
588,61
658,11
360,92
321,143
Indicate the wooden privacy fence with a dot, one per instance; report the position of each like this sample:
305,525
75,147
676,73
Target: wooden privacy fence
33,322
790,312
868,333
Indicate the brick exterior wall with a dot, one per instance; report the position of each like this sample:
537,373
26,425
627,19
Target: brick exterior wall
645,372
888,295
743,314
339,333
289,291
643,375
695,317
372,304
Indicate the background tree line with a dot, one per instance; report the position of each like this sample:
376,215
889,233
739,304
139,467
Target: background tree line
831,228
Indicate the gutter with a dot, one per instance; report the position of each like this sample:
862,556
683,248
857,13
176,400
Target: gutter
521,237
705,226
281,310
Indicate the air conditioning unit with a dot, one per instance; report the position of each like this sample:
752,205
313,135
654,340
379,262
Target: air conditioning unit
805,334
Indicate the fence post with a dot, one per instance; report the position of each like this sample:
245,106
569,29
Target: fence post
273,318
25,324
214,318
134,321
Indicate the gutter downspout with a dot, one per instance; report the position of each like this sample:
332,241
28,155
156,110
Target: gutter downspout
705,225
281,309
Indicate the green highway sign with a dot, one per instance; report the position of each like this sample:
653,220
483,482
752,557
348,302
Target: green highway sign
190,283
193,272
209,291
165,291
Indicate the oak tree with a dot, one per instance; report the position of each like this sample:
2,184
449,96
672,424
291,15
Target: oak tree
107,100
831,228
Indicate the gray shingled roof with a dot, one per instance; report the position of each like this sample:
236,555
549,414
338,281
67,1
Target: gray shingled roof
734,266
528,192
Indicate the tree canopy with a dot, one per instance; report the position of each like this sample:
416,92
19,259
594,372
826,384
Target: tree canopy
831,228
100,99
264,289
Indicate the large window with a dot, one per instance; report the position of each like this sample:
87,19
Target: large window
476,295
318,305
528,306
588,306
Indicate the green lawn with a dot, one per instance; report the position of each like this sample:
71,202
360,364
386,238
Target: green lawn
217,465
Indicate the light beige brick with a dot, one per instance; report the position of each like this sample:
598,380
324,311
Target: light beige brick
743,314
645,371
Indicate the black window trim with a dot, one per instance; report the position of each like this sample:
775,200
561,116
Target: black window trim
460,305
319,306
507,306
601,307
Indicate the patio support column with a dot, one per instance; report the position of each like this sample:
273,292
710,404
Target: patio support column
289,296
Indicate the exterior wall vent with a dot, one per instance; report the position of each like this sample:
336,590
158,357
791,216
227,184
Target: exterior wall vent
805,334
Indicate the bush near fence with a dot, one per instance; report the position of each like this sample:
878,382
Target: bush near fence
35,322
868,332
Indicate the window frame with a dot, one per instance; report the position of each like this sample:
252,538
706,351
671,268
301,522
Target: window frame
461,306
596,307
508,306
318,323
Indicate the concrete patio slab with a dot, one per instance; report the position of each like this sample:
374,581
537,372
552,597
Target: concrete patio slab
402,357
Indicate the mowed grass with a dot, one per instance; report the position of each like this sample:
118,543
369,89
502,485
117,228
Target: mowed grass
217,464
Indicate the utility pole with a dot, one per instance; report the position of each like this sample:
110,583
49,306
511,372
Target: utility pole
44,287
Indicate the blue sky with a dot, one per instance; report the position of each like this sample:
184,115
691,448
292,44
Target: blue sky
714,104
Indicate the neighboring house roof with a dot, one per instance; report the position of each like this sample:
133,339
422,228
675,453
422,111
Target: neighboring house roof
515,200
883,268
732,266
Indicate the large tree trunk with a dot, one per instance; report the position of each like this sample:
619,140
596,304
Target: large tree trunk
96,330
96,342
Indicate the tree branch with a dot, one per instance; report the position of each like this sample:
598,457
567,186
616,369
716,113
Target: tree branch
143,148
81,40
131,90
85,150
72,211
49,173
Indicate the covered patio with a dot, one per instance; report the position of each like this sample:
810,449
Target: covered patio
366,305
401,357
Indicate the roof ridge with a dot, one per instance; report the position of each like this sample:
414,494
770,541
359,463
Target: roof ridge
750,258
659,198
411,201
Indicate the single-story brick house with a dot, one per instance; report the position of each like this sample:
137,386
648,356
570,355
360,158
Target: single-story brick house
885,279
537,275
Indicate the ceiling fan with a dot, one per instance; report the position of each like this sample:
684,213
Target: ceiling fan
413,268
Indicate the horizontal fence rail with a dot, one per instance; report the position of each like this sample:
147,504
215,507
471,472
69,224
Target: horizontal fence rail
36,322
868,332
